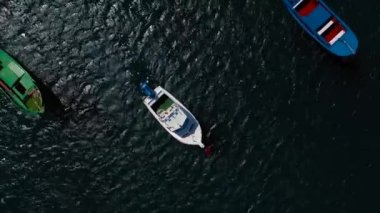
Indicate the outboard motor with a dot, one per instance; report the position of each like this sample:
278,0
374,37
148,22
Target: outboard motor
147,91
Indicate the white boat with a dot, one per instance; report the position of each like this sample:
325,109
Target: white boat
173,116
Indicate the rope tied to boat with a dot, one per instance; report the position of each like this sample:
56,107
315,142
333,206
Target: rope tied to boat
349,47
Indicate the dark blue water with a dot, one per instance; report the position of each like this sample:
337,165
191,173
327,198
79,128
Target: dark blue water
293,128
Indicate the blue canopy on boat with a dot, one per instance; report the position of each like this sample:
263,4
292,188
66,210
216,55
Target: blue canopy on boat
146,90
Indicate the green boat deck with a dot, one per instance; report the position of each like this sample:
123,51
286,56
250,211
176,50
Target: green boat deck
19,86
162,104
166,105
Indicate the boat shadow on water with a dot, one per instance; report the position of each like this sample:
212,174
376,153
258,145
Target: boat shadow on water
208,138
349,69
53,105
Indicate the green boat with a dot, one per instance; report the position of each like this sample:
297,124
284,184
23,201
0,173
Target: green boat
19,86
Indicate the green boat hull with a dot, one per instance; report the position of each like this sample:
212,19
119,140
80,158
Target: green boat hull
19,86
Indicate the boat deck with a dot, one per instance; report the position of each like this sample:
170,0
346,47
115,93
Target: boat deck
163,103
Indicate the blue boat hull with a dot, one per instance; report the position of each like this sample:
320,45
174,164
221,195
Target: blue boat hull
324,25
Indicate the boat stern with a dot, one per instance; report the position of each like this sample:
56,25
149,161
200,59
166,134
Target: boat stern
34,102
195,137
346,46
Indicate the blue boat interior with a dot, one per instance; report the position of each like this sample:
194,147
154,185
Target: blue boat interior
324,26
317,18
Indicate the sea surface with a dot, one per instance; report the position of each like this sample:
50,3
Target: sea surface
293,129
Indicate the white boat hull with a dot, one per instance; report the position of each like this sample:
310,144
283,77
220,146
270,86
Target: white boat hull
195,135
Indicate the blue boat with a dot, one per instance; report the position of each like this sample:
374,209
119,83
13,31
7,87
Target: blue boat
324,26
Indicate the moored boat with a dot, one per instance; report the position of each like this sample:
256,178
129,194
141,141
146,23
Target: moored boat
324,25
172,115
19,86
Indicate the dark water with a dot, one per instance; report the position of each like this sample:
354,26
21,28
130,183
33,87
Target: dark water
294,129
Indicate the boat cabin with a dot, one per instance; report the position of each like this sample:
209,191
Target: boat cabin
12,79
19,86
172,116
